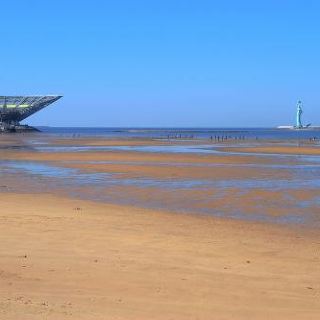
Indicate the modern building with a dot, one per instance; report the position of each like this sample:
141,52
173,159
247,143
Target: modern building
14,109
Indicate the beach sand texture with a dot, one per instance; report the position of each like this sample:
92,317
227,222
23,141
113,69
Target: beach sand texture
67,258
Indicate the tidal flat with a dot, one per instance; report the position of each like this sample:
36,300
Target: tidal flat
96,228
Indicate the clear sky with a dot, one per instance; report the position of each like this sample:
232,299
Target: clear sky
164,62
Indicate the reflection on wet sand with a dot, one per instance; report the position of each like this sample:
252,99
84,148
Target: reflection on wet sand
184,178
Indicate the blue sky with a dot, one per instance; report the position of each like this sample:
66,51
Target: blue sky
164,63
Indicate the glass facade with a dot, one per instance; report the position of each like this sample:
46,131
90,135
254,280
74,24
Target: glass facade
14,109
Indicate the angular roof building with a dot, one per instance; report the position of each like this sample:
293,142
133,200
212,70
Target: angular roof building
14,109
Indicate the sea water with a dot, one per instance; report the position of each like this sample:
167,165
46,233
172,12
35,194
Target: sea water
187,133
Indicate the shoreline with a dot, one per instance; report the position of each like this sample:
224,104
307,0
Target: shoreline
242,186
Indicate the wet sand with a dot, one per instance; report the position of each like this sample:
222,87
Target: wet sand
67,258
233,185
305,149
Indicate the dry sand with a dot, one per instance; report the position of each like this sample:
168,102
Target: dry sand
72,259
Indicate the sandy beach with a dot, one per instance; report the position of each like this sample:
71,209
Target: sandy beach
65,257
